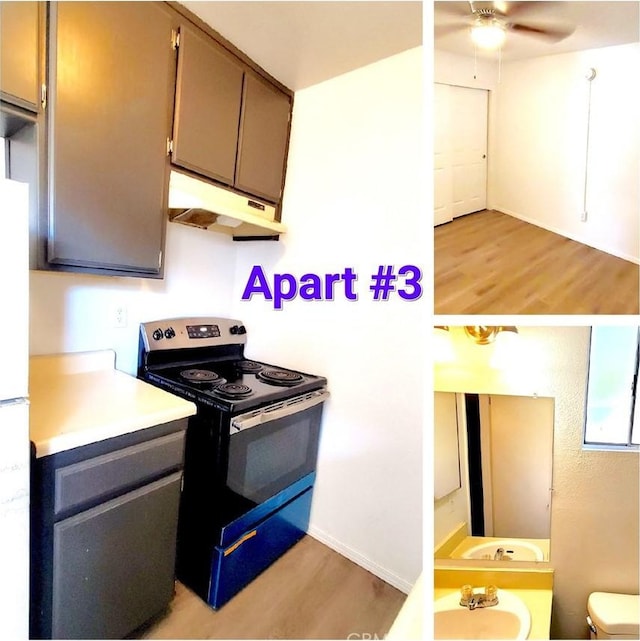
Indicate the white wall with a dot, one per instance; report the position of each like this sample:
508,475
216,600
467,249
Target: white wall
72,313
596,504
353,199
539,125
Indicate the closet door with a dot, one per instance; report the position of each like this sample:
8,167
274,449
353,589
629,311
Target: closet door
460,151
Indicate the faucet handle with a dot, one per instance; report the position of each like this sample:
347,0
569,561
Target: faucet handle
491,595
466,592
466,595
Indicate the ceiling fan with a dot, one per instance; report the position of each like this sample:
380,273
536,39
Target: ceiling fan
489,22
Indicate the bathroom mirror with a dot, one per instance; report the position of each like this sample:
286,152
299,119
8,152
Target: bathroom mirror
503,501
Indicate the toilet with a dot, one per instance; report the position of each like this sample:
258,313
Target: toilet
613,616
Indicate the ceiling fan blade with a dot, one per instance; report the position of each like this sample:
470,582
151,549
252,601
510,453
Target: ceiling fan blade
553,34
520,9
440,31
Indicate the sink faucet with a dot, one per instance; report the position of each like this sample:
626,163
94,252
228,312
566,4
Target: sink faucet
499,554
472,600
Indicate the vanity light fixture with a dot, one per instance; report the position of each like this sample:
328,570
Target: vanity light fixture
485,334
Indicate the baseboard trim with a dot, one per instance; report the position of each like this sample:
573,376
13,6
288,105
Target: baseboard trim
369,565
607,250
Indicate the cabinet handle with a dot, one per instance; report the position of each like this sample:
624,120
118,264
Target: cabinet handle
175,38
239,542
43,95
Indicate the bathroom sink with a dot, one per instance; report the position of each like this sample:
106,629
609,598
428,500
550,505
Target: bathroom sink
514,550
510,619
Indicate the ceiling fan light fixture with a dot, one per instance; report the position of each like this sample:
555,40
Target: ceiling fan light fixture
488,34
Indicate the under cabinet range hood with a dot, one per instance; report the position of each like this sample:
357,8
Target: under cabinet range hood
201,204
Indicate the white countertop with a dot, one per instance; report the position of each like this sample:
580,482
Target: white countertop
78,399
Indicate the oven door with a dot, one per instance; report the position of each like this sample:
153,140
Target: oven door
274,446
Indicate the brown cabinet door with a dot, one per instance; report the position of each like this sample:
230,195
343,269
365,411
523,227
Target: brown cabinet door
19,82
111,93
264,131
207,111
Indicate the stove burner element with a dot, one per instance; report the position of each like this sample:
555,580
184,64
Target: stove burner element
200,376
249,367
280,377
233,390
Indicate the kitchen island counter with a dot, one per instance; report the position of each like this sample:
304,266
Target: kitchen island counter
80,398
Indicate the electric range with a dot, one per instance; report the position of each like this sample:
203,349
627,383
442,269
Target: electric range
250,453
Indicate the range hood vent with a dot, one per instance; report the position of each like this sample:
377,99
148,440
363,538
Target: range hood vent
201,204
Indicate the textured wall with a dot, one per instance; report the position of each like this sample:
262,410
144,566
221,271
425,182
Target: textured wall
596,504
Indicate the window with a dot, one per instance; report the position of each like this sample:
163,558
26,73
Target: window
612,414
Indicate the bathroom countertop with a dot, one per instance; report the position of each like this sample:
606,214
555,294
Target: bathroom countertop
77,399
534,587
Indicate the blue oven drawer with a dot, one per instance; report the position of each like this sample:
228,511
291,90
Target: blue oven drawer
235,530
238,564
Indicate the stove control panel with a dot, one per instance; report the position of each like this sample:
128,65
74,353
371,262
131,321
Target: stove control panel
180,333
204,331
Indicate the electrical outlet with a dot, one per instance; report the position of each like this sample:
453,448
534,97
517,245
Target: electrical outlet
119,318
583,216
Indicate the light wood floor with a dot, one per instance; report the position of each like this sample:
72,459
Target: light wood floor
491,263
311,592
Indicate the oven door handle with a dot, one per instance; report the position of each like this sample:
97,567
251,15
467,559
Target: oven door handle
278,411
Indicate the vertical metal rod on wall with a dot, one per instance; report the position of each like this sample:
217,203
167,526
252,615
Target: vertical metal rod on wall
591,74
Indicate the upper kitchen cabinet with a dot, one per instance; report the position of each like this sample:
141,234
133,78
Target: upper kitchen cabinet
19,54
230,124
111,77
264,131
207,113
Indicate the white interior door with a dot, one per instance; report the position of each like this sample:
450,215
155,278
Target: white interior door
442,167
521,465
460,151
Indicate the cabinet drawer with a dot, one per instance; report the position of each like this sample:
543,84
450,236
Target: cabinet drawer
109,474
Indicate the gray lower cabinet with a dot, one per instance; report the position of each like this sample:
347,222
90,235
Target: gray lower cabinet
104,527
111,75
113,565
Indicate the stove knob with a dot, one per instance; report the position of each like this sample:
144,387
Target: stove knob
169,332
234,329
242,329
157,335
